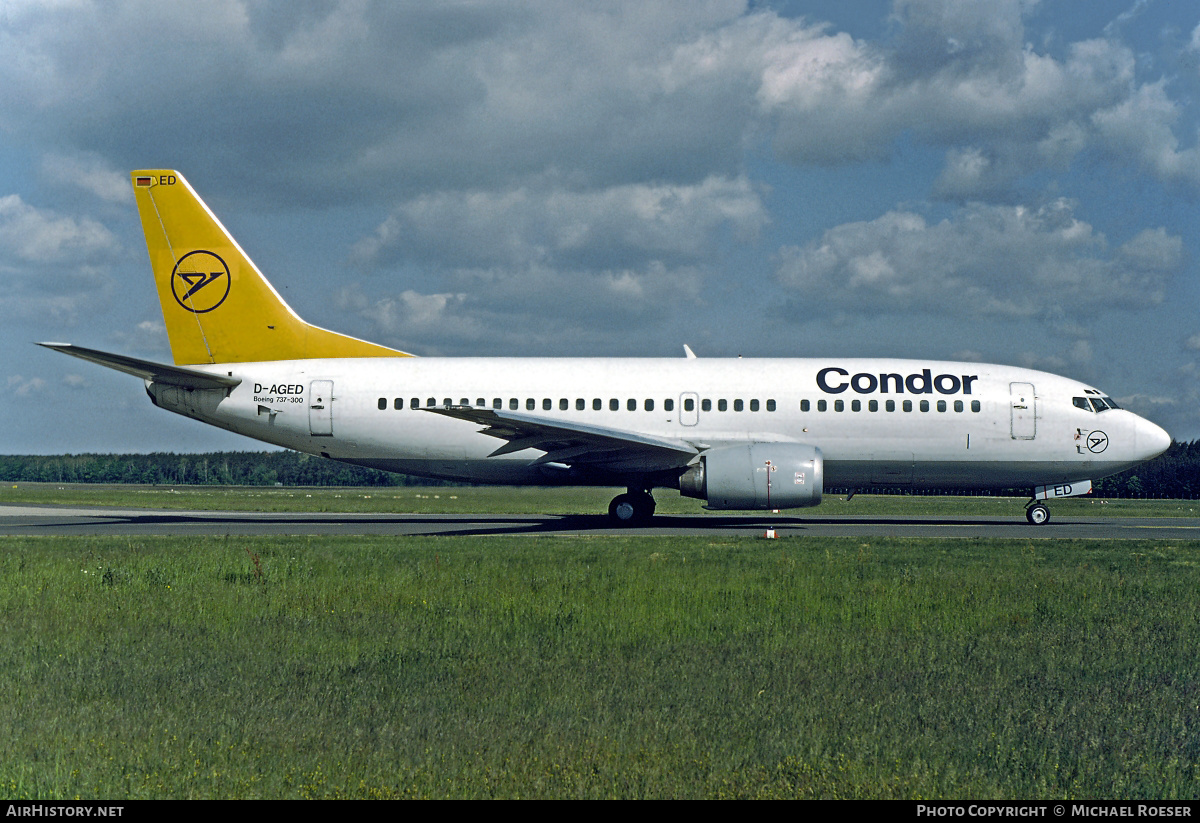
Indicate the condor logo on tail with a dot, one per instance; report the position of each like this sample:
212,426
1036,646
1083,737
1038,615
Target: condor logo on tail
193,278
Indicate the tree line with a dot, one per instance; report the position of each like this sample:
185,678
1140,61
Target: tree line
1175,474
266,468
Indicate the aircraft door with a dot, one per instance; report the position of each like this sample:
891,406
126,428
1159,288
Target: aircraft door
1024,411
689,408
320,408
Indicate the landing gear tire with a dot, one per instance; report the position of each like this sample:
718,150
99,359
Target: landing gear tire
1037,514
632,509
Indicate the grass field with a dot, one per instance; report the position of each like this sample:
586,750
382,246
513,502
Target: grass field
598,667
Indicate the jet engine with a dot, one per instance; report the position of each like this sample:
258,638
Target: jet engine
756,476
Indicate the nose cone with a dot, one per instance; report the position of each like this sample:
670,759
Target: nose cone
1151,440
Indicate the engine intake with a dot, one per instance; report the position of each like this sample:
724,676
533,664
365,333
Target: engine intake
756,476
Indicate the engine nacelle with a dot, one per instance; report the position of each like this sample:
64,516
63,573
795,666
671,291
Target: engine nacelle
757,476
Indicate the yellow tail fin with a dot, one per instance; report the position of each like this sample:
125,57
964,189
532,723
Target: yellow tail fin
217,305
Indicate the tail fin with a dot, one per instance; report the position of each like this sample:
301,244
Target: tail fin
217,305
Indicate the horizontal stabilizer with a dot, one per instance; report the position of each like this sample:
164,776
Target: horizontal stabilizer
148,370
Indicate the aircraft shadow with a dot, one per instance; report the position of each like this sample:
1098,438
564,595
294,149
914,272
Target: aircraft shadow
219,523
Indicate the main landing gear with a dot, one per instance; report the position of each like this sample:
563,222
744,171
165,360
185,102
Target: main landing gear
1037,513
634,508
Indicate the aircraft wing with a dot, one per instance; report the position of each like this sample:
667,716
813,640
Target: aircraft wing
576,444
149,370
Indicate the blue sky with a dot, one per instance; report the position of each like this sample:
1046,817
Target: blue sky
1011,182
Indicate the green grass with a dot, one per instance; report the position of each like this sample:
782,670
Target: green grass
598,667
526,500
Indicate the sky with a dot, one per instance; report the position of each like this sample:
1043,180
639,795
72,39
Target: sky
1007,181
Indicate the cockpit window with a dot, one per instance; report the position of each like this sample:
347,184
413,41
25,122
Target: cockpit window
1094,402
1099,403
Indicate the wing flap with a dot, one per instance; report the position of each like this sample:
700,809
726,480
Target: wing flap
575,443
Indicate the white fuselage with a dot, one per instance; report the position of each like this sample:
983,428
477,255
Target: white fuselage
903,423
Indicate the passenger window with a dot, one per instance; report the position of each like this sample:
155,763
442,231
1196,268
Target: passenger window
382,403
547,404
771,406
890,405
614,404
838,405
398,403
753,405
649,405
446,401
497,403
513,403
597,404
530,404
941,405
669,404
706,405
480,402
975,406
822,405
580,404
689,404
415,403
563,404
803,406
631,404
872,405
924,405
737,405
431,402
855,405
958,406
466,401
908,405
722,405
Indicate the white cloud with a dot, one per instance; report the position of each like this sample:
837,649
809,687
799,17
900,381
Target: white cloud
88,172
22,386
148,337
1140,127
985,260
29,235
596,228
532,309
53,268
353,100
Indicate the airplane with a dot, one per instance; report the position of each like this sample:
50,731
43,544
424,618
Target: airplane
739,434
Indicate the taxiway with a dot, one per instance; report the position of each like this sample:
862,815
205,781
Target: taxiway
72,520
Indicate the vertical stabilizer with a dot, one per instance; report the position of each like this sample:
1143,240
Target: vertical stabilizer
217,305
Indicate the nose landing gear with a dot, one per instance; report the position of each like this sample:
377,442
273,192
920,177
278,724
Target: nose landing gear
1037,513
